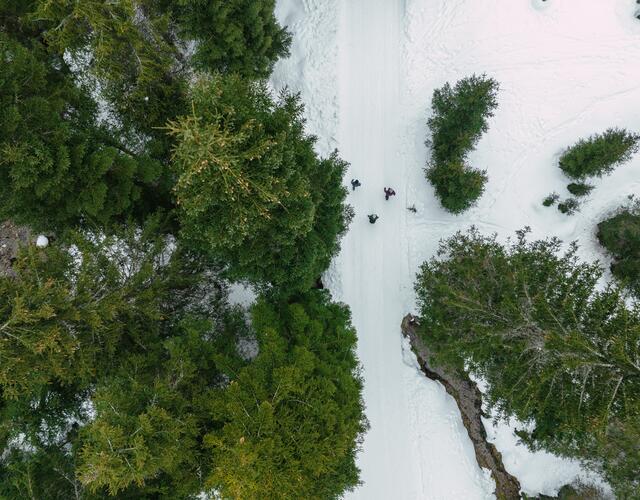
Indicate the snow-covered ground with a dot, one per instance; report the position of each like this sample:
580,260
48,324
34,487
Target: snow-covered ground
366,70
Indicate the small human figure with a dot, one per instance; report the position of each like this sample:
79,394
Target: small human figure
413,209
354,184
373,218
388,192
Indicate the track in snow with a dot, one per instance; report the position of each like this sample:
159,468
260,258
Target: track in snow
417,446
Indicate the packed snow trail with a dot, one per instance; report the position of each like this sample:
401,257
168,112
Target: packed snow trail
396,462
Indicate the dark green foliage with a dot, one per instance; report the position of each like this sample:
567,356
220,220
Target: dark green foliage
579,188
250,189
61,165
553,349
122,372
69,321
46,473
569,206
459,119
293,417
551,199
56,166
457,185
239,36
620,235
65,317
129,50
122,376
460,116
600,154
154,412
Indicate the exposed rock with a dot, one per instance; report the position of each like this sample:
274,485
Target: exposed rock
469,400
12,237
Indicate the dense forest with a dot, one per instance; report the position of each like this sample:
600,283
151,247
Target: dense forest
141,138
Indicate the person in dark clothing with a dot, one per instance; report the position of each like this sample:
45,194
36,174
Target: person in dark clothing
388,192
354,184
373,218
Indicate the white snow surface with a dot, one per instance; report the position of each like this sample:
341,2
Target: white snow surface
42,241
366,70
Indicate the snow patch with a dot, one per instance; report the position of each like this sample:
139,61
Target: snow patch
42,241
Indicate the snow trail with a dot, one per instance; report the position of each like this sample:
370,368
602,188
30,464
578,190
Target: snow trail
411,450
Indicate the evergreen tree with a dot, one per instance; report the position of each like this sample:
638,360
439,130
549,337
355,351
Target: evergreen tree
620,235
459,119
251,191
457,185
239,36
553,349
57,166
551,199
122,376
153,413
68,313
569,206
67,320
460,116
600,154
292,417
579,188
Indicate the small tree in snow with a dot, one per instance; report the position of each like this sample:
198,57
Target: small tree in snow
459,118
600,154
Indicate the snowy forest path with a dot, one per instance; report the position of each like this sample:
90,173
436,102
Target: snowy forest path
369,96
417,447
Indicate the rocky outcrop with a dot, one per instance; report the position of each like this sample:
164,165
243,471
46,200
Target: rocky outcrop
12,237
469,400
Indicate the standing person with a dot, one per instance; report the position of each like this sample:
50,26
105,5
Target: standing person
354,184
388,192
373,218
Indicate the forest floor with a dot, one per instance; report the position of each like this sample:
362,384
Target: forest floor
366,70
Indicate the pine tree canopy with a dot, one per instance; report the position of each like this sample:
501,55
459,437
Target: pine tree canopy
554,349
599,154
620,235
89,87
122,376
459,118
250,189
242,36
293,417
138,136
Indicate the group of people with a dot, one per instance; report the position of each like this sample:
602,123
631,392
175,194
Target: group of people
388,193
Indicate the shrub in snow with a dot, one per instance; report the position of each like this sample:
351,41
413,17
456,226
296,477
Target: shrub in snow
554,348
459,118
579,188
600,154
458,186
569,206
620,235
551,199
